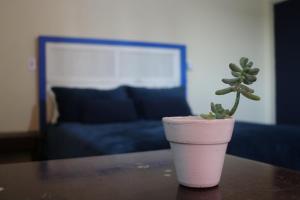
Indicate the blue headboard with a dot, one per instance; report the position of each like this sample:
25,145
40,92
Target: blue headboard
45,43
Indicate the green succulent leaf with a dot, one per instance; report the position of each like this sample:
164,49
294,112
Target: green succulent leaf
208,116
236,74
212,107
250,64
247,82
246,88
225,91
243,62
246,70
250,78
250,96
219,116
230,81
253,71
234,67
219,108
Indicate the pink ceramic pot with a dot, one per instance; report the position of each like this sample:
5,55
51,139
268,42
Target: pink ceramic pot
198,146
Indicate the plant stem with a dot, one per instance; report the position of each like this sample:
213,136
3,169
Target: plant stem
236,103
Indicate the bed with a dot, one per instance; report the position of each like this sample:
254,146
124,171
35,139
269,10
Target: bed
107,80
100,97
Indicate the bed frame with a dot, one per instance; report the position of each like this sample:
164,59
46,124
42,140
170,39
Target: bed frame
105,64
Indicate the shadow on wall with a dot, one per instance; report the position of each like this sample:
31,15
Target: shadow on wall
34,119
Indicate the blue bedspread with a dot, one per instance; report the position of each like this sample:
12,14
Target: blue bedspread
277,145
74,139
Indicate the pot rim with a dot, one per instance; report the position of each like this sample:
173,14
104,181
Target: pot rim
194,119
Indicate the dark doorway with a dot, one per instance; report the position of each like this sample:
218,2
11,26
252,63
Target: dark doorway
287,42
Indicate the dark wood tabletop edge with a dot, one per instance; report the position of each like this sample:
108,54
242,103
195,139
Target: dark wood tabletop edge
121,155
137,154
261,163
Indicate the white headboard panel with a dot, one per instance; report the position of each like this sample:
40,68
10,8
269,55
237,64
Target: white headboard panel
106,64
103,66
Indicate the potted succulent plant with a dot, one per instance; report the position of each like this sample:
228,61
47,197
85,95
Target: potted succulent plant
199,143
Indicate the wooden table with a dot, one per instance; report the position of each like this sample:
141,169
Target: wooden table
142,176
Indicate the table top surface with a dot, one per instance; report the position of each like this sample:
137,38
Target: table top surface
146,175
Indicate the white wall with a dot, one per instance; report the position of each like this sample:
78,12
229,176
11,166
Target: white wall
215,31
225,31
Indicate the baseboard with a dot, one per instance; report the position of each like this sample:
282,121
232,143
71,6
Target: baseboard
18,141
19,134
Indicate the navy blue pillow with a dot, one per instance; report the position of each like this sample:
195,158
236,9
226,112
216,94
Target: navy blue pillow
108,111
155,109
146,93
144,96
71,100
